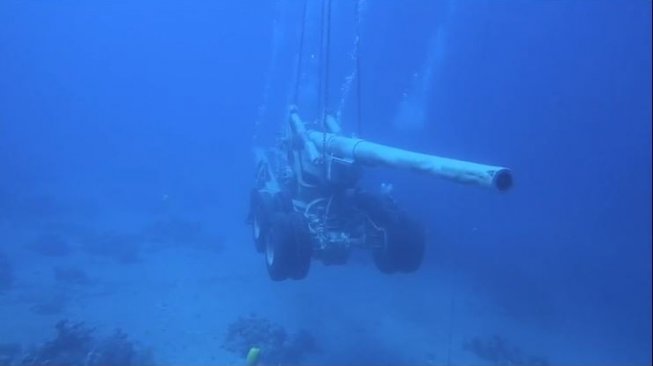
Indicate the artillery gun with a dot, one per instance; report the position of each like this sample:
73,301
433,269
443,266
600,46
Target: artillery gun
307,203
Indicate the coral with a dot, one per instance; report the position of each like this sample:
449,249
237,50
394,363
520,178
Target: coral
277,346
118,350
247,332
500,352
70,347
76,345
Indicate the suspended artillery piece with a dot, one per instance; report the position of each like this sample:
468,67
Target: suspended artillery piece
306,203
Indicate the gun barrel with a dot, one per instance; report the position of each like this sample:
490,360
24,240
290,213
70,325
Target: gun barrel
370,153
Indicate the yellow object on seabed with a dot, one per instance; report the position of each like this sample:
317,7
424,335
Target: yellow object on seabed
253,356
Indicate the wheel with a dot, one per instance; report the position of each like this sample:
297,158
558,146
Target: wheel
261,211
288,247
263,206
403,247
404,241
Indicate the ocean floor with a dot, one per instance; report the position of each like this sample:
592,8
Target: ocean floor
175,286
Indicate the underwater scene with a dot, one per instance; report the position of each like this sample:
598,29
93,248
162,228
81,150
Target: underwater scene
325,182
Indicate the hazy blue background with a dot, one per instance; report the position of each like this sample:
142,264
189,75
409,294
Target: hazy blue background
115,106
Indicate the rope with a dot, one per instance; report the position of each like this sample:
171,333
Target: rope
324,83
359,106
324,80
300,58
325,56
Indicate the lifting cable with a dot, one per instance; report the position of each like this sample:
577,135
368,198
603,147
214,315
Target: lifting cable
300,55
324,67
359,107
325,56
324,84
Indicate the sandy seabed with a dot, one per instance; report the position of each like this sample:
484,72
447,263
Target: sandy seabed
179,299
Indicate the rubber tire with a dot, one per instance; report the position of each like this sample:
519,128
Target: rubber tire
288,247
404,247
405,243
261,211
263,206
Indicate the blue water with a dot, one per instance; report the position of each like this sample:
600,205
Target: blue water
126,139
